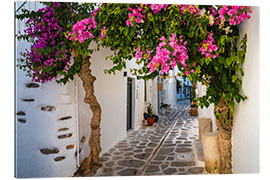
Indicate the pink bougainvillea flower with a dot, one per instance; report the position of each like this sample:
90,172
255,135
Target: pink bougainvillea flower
46,30
166,59
158,7
103,32
81,30
192,9
136,15
234,14
208,47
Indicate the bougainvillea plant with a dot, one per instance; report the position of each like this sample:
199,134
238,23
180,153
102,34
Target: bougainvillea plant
49,56
202,41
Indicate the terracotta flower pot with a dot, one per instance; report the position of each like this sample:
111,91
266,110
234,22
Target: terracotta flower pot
193,111
150,121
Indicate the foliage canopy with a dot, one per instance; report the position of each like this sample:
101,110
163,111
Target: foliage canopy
202,41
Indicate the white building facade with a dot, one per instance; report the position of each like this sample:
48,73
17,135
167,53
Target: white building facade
53,122
174,88
246,131
245,137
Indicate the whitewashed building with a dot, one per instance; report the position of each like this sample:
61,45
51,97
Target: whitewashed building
184,91
53,122
168,93
245,137
171,91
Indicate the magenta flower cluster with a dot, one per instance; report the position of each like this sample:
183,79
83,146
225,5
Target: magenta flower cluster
158,7
135,15
81,30
234,14
103,32
208,47
46,30
189,8
138,54
167,57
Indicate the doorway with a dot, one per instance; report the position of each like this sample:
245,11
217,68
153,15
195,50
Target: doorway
129,104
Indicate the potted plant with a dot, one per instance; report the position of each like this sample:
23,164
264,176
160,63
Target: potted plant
193,110
193,104
164,108
150,118
145,115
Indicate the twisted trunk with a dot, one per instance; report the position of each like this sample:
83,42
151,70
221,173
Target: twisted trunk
224,138
92,161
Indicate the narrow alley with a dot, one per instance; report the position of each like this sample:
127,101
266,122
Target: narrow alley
135,89
166,148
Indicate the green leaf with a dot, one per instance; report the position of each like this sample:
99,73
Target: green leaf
228,61
234,78
237,98
222,40
77,67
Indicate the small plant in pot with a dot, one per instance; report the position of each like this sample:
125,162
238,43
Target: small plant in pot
164,108
145,116
193,108
150,118
193,103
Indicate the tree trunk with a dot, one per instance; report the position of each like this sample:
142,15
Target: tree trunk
92,161
224,138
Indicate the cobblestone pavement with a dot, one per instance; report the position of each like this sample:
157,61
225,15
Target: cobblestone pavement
162,149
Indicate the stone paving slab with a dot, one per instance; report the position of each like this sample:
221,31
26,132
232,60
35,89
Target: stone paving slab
177,150
162,149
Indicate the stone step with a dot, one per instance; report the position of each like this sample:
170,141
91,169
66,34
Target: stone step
198,151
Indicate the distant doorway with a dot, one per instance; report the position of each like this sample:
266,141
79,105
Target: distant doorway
129,104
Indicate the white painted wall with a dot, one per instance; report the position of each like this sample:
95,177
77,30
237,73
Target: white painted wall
138,97
169,90
111,92
41,127
246,120
152,94
139,104
206,112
